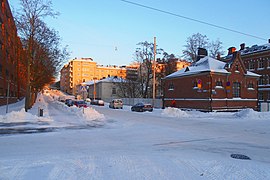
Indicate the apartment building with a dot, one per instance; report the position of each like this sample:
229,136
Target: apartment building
85,69
12,70
257,59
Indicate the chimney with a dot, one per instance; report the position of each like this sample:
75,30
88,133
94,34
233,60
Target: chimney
268,40
201,53
218,56
242,46
231,50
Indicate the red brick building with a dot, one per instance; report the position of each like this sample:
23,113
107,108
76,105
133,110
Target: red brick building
257,59
12,69
210,84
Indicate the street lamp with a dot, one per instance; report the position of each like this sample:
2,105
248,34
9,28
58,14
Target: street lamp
94,87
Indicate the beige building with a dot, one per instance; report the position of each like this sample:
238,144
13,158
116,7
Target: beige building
85,69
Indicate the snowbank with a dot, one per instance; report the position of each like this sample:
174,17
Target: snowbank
251,114
22,116
174,112
88,114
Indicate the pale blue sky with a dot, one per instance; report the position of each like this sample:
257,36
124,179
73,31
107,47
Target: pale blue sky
94,28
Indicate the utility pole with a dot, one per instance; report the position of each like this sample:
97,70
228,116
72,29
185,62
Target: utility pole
154,72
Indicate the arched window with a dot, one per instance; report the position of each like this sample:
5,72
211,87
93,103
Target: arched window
236,89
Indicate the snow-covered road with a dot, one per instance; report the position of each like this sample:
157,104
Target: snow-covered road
130,145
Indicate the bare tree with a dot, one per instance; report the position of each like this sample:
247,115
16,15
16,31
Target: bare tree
170,63
41,43
127,88
201,41
215,49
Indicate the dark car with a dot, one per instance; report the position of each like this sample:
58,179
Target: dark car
80,104
97,102
69,102
141,107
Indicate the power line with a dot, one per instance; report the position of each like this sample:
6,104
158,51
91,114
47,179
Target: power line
192,19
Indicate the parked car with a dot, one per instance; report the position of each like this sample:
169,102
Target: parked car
116,104
69,102
80,104
141,107
97,102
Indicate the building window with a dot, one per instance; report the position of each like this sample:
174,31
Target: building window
171,86
268,60
266,79
251,65
236,89
261,81
1,70
260,94
236,68
219,83
7,73
113,91
260,64
1,91
250,86
268,95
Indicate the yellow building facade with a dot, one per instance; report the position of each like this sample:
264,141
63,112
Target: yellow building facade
85,69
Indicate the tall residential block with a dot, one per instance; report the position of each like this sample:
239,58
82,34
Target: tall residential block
85,69
12,70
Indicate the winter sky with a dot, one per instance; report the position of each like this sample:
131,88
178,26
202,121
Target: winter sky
108,30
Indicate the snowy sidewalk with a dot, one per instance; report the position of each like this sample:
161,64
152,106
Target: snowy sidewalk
56,115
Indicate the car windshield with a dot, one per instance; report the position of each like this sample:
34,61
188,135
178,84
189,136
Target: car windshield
80,102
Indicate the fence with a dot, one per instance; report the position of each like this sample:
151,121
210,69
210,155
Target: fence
264,106
133,101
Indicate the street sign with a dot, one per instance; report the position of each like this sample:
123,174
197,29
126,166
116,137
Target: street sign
199,84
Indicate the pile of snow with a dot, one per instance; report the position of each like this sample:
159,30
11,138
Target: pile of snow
174,112
251,114
88,114
22,116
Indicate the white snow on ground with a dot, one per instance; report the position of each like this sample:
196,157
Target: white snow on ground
104,143
174,112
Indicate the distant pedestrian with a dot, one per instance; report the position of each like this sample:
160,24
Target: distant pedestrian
174,103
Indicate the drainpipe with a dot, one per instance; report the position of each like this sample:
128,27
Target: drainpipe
211,100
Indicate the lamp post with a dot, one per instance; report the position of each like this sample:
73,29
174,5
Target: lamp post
154,72
94,87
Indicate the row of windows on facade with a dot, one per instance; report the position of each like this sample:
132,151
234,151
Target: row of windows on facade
261,64
236,87
264,80
7,73
261,96
5,92
107,71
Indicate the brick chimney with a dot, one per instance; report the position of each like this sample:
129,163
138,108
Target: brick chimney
242,46
201,53
231,50
268,40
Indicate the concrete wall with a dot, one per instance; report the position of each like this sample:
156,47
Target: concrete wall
133,101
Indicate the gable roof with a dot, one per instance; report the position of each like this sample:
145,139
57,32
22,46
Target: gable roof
206,64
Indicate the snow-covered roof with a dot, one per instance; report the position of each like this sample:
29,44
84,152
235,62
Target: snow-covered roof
255,49
108,79
252,50
206,64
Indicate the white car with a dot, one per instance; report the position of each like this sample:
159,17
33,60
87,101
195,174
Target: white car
116,104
